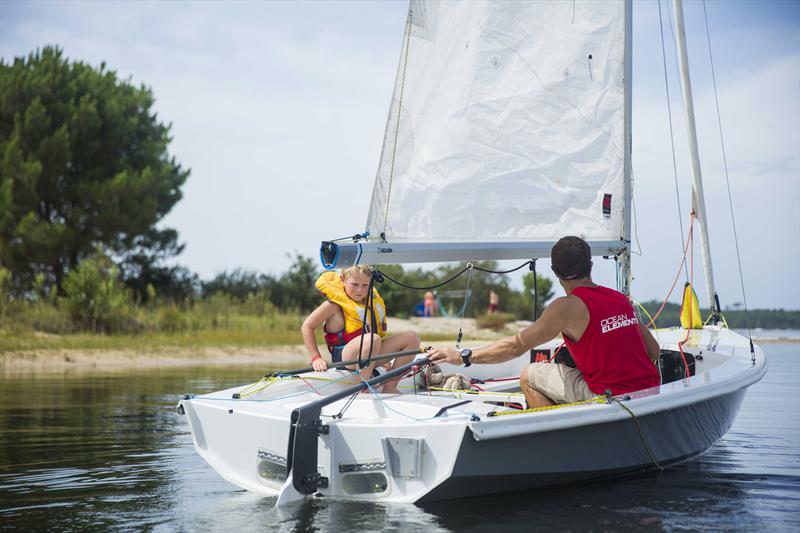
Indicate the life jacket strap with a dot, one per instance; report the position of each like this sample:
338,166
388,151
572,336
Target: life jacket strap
340,338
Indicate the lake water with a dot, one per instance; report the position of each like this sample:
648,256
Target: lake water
109,453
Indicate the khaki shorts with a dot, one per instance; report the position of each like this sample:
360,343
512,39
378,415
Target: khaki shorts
560,383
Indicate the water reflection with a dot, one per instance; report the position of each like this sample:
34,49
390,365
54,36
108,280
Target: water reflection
109,452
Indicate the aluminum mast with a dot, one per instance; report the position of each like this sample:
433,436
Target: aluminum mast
698,200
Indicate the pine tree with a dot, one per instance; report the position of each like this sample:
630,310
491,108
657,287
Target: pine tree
83,163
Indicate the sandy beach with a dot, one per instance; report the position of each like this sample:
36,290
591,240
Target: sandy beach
289,356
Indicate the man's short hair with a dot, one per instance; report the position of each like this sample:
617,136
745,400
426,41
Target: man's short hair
571,258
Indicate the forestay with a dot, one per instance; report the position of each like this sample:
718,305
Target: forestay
507,123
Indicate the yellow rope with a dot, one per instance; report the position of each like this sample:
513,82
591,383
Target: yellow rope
651,320
263,382
596,399
724,322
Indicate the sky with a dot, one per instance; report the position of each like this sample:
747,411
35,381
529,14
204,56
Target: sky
279,110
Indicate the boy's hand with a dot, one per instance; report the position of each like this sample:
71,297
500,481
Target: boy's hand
319,364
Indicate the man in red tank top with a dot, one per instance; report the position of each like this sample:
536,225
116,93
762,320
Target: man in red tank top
611,349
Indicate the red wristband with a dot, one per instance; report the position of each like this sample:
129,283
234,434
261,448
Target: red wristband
318,356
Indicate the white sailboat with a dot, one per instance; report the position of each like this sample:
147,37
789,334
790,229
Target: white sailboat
509,128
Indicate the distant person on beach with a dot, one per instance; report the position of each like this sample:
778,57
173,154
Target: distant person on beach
494,301
429,304
611,349
341,316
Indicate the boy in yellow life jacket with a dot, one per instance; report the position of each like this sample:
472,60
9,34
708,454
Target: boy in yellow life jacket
342,319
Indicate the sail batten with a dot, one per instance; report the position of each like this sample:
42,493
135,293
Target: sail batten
507,124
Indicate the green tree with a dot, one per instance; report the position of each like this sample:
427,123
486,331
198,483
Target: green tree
544,291
238,284
83,162
143,266
294,290
95,298
5,289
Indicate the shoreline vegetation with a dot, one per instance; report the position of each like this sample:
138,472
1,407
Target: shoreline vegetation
97,323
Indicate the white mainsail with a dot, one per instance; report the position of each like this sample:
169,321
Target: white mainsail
507,123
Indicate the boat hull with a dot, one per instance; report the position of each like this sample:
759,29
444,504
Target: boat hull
566,456
419,447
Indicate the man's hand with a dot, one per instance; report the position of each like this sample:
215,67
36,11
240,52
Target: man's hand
319,364
445,355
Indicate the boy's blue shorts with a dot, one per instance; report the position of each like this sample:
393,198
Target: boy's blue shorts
336,353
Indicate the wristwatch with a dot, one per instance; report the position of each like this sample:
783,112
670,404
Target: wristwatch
466,353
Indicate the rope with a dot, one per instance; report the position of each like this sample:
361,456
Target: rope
641,435
691,306
470,266
535,296
535,292
309,385
317,378
651,320
251,389
555,352
596,399
397,127
369,310
276,398
355,238
728,183
347,404
387,276
683,261
460,393
509,271
464,307
721,317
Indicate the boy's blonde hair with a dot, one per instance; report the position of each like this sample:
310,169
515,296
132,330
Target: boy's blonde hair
364,270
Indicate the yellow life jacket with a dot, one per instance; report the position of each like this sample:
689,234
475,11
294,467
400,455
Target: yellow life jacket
331,285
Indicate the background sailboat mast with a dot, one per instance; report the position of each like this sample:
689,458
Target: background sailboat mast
625,277
698,200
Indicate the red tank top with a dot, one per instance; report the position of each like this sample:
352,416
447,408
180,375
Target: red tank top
611,353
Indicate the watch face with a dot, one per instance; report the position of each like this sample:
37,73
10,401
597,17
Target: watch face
466,352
